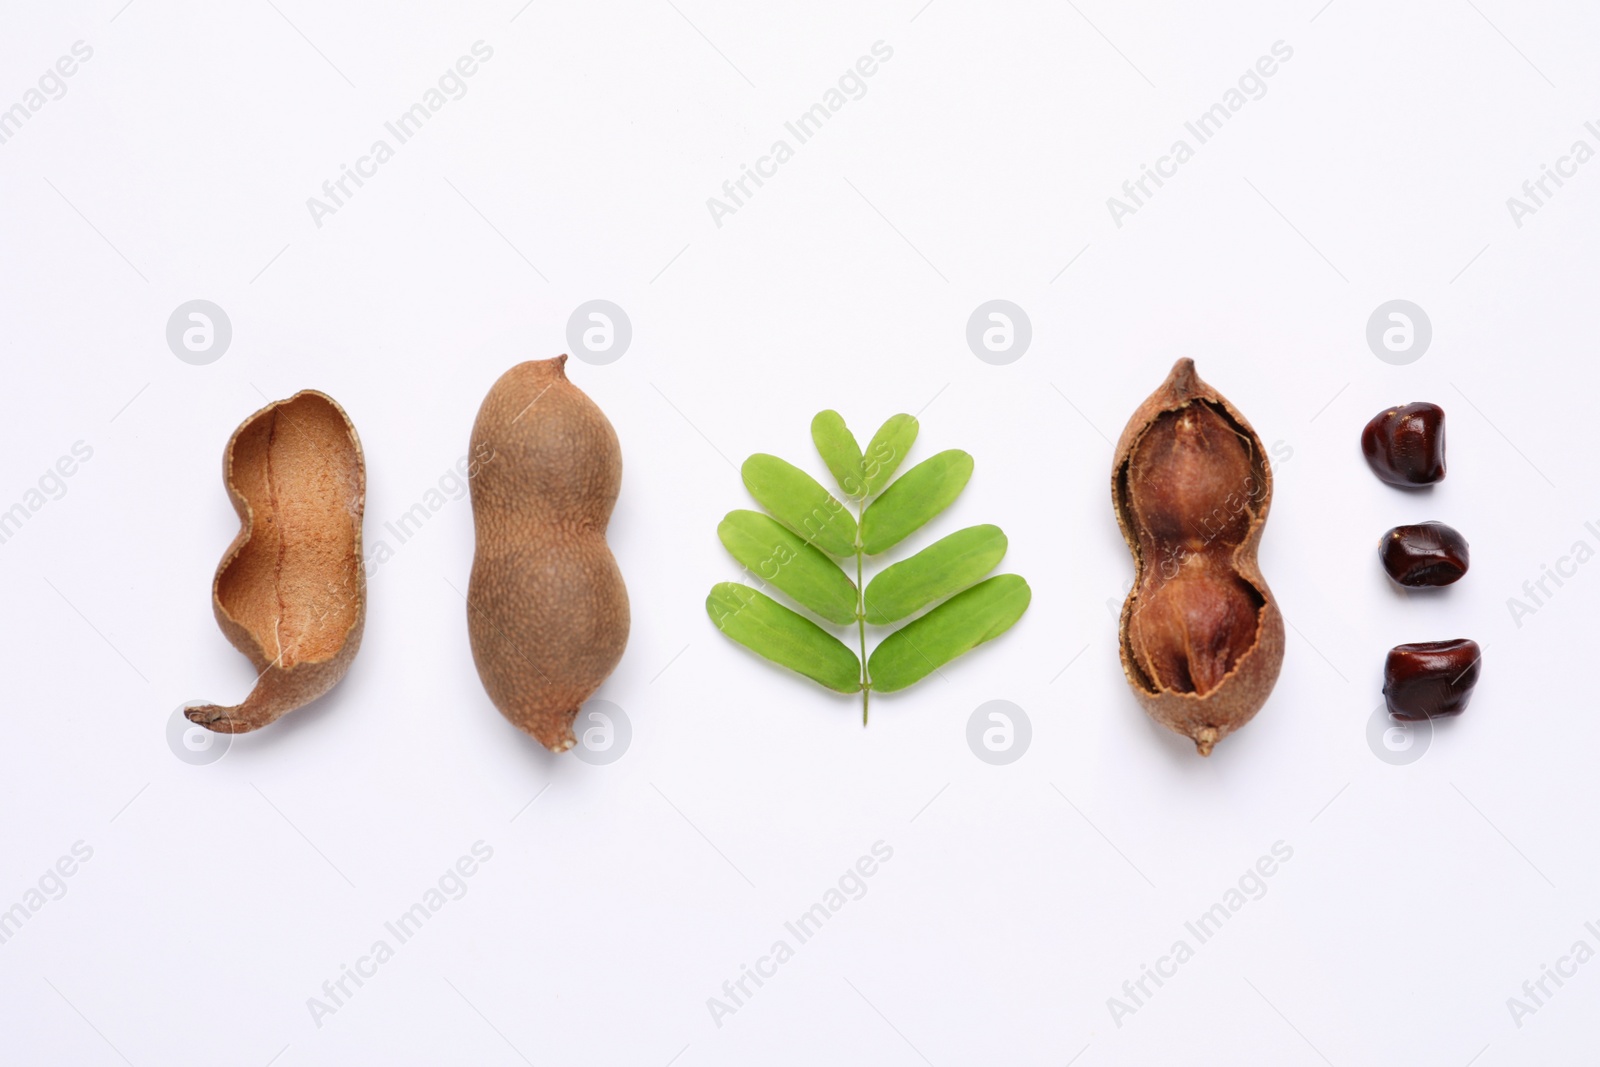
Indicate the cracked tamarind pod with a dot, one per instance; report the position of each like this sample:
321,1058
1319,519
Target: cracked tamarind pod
547,612
1201,635
290,592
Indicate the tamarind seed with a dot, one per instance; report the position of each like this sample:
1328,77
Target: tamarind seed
1404,445
1201,637
1430,679
1424,554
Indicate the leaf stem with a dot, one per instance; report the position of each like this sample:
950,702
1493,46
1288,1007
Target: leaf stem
861,623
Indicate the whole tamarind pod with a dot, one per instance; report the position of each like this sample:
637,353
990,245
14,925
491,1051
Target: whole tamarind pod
290,592
1201,636
547,612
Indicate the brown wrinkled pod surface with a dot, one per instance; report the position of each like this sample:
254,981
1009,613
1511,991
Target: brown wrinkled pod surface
1201,635
547,612
290,592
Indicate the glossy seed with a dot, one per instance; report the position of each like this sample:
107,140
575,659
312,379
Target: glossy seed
1430,679
1425,554
1404,445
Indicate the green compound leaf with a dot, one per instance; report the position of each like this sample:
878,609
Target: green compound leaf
890,445
775,555
785,637
947,566
959,625
839,450
920,494
797,500
804,546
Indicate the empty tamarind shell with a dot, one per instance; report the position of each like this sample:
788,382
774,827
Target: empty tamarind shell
547,612
290,592
1201,636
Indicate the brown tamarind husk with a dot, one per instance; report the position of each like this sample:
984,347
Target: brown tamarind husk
290,592
1200,635
547,611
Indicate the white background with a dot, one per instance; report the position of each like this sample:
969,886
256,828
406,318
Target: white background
1019,899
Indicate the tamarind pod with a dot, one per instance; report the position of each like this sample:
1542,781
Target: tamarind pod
1201,636
290,591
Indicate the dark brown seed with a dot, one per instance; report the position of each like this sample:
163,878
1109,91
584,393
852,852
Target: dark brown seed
1429,553
1405,445
1430,679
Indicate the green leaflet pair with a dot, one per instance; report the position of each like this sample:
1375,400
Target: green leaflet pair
796,546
